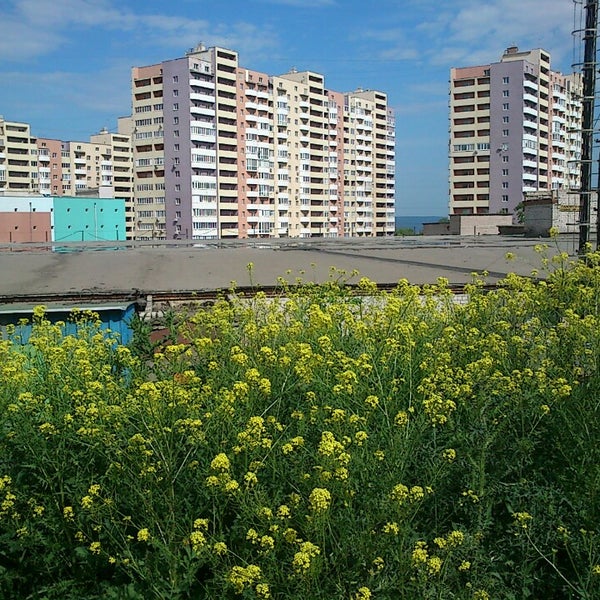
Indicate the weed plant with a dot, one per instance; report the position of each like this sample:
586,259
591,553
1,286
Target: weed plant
322,444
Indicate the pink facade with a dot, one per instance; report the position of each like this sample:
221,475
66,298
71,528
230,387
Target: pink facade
17,227
466,72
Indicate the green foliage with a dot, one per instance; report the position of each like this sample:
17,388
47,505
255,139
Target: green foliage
322,444
402,231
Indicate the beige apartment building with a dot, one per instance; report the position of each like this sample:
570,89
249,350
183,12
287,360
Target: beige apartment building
222,151
514,128
18,158
49,167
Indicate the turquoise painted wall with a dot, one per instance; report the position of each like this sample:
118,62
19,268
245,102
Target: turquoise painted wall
79,219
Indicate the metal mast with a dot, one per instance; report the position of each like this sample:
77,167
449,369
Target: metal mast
589,69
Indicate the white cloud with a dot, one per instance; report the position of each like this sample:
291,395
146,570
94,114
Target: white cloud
474,32
37,27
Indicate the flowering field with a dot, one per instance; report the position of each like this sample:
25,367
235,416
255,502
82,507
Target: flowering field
322,445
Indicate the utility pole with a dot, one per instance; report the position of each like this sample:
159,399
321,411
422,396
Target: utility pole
588,68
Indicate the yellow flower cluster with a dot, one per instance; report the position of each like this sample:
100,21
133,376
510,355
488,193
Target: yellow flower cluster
303,559
319,500
242,578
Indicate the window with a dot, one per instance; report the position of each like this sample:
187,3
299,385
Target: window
504,198
175,78
505,132
505,185
505,106
176,147
505,159
505,80
175,93
176,106
504,171
505,93
505,119
175,120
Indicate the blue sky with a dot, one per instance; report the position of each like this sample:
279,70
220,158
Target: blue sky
65,64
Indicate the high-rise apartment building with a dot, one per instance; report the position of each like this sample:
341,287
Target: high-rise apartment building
222,151
18,158
515,127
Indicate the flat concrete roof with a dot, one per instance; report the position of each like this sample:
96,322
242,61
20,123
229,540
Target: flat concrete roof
212,265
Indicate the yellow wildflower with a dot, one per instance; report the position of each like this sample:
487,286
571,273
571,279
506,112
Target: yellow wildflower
242,577
391,528
95,547
363,593
220,548
220,462
320,499
262,590
197,540
303,559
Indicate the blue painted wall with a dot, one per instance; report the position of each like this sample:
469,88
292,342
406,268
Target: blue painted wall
116,319
88,219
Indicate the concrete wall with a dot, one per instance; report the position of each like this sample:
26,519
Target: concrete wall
89,219
539,217
436,228
478,224
25,219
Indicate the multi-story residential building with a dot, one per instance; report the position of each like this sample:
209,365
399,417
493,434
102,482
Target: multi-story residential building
514,128
117,162
49,167
18,158
102,166
221,151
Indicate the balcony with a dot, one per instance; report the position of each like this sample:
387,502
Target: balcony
201,110
199,97
203,137
530,85
202,83
528,110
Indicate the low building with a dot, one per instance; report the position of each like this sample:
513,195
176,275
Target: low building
31,218
554,209
468,225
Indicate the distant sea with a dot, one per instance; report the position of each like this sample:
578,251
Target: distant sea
415,223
